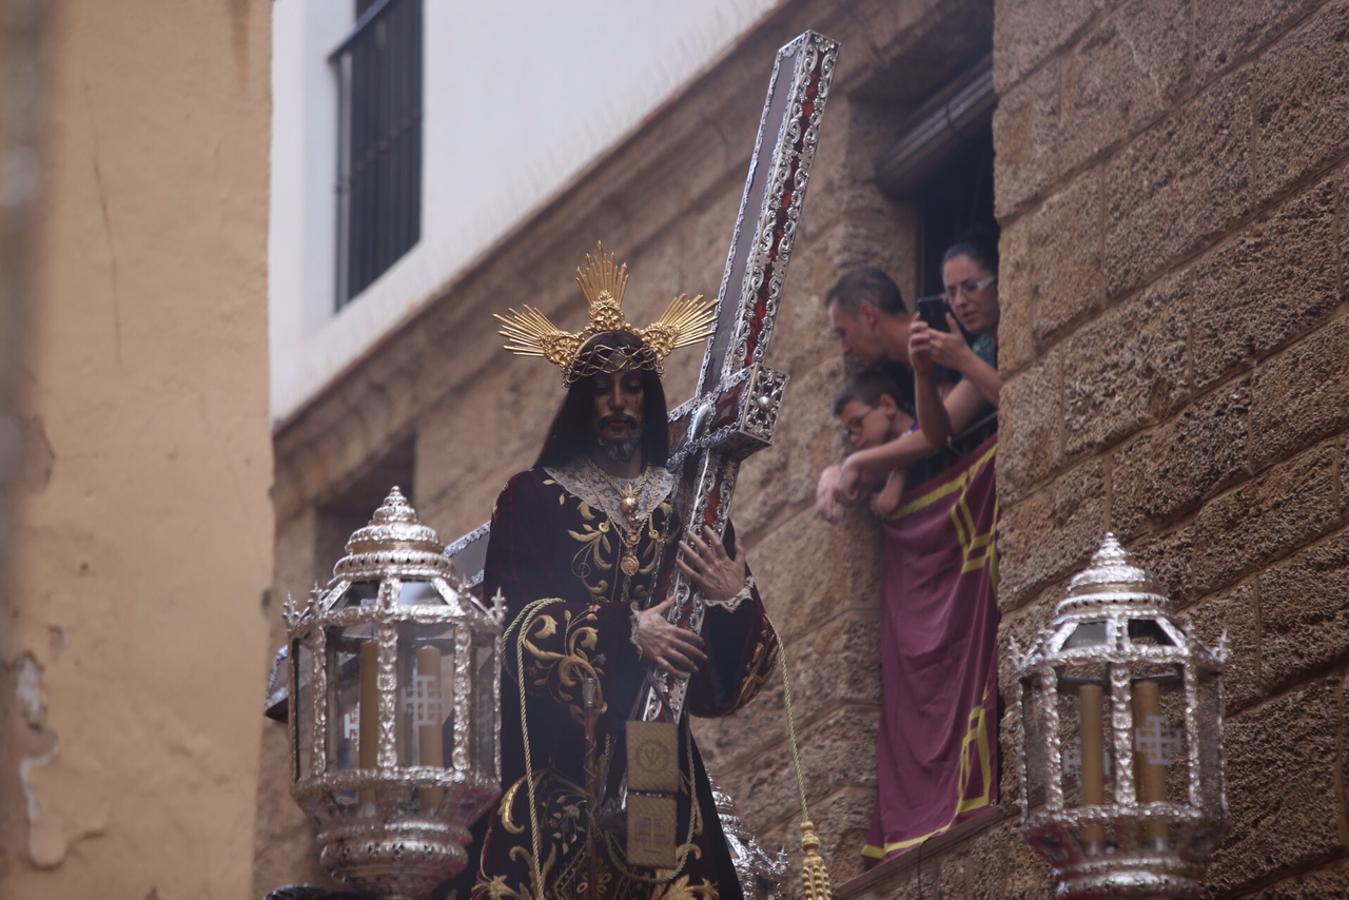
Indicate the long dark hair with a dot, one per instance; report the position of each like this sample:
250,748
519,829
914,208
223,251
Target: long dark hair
569,437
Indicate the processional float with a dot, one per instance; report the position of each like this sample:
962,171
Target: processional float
733,413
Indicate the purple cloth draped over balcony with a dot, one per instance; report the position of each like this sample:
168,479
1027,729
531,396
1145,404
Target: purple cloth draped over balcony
937,747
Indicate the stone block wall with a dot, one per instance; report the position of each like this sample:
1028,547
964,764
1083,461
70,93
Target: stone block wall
1172,186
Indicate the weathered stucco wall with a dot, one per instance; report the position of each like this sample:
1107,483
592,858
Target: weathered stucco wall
133,642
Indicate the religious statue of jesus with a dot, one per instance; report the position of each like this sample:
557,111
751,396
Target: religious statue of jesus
579,546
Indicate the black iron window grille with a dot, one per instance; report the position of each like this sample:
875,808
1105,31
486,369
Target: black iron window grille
379,171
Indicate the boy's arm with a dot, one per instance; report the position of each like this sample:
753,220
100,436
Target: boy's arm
903,451
887,500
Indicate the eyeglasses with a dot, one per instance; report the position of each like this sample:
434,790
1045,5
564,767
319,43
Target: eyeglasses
853,424
969,287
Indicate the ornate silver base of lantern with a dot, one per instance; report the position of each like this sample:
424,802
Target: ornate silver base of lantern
1141,869
761,876
396,861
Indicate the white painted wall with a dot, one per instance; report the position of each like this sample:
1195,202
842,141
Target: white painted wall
518,98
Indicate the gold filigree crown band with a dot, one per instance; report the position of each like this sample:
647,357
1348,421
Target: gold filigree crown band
531,333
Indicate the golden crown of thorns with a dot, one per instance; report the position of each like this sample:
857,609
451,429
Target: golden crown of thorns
530,333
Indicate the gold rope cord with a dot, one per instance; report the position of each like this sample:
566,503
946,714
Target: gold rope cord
526,617
814,875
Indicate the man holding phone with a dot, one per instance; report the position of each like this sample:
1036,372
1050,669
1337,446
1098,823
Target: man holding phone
867,314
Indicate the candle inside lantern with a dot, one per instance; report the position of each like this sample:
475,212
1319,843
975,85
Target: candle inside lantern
1090,700
1149,758
428,713
368,747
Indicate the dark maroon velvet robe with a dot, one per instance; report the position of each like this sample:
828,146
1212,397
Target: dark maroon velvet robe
547,542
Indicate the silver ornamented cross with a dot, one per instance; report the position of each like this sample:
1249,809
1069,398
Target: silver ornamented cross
735,409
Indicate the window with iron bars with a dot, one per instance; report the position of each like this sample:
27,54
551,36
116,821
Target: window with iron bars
379,172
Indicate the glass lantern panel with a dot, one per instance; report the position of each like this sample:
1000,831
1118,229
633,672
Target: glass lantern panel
426,679
419,593
302,722
360,593
486,681
352,667
1086,634
1147,633
1160,744
1033,736
1086,755
1208,718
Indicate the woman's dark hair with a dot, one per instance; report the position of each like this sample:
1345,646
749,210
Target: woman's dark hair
569,437
979,245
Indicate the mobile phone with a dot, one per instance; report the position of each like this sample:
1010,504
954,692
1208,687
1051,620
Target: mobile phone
933,310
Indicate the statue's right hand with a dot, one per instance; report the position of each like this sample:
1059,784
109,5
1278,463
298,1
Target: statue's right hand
675,650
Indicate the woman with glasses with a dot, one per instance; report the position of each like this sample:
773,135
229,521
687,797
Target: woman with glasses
970,276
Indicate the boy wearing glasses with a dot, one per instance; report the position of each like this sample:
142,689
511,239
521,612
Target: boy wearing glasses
867,407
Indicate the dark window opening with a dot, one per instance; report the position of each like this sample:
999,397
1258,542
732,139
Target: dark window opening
955,201
379,172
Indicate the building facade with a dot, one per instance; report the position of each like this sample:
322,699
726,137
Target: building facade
1170,183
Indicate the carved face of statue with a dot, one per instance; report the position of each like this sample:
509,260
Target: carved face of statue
617,403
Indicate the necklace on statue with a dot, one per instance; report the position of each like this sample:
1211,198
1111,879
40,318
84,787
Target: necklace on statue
630,530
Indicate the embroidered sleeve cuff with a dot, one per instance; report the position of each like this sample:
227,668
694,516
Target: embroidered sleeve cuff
733,604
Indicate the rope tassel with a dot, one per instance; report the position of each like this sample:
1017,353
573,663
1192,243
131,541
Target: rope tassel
814,875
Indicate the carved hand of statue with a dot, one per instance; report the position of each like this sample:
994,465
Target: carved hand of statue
676,650
717,573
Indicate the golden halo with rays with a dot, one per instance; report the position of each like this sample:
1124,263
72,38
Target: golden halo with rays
687,320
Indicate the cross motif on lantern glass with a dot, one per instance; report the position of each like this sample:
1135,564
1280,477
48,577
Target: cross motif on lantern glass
423,698
1072,761
1157,742
351,723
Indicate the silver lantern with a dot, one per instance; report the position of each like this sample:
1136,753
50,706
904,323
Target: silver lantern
761,876
394,675
1121,758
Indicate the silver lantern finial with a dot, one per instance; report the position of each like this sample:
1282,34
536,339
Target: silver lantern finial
1123,789
394,682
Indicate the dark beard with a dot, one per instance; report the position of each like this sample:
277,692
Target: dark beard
619,451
